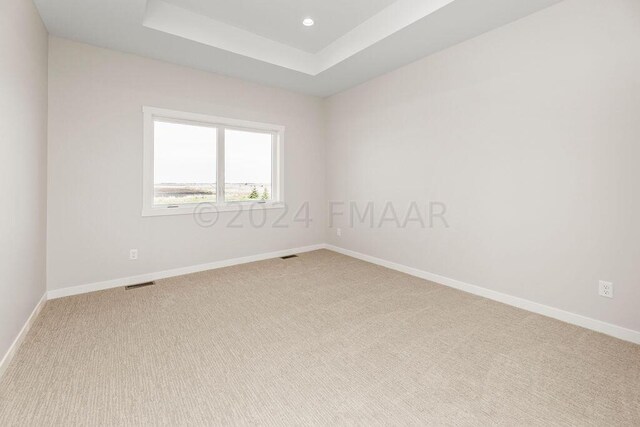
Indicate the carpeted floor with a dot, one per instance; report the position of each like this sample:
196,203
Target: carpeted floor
321,339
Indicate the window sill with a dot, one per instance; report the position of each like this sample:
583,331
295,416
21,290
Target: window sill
210,208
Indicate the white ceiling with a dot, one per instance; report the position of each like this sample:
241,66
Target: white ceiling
264,40
281,20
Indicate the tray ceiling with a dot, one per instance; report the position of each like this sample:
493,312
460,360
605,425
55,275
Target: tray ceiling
265,41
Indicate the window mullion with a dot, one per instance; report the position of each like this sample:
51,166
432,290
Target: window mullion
275,184
220,166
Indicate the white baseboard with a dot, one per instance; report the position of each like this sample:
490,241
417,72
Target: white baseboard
132,280
21,335
545,310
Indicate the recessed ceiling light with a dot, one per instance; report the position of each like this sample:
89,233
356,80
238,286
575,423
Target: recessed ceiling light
307,22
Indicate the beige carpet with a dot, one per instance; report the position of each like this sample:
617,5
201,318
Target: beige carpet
321,339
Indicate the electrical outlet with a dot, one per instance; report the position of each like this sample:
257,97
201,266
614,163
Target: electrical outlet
133,254
339,232
605,289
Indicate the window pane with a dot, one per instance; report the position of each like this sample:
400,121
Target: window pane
247,166
184,163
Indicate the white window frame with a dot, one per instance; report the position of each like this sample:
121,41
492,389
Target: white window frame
150,114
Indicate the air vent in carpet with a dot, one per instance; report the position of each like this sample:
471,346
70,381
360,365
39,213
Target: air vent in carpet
139,285
289,256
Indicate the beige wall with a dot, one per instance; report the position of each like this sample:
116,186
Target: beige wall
95,166
530,134
23,175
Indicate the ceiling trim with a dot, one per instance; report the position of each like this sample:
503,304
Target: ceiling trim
162,16
405,31
385,23
175,20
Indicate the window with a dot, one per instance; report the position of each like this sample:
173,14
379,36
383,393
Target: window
248,165
184,163
193,158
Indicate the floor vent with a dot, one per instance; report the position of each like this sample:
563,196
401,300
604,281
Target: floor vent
139,285
289,256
